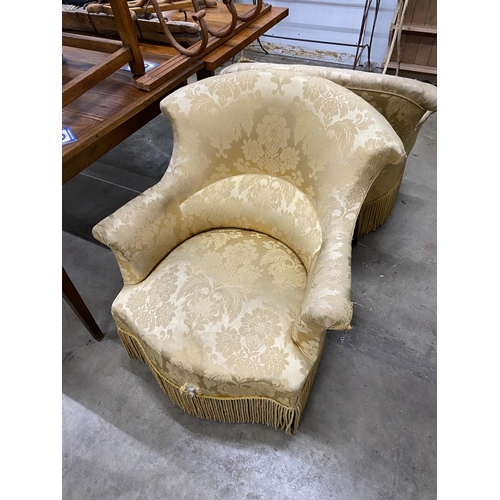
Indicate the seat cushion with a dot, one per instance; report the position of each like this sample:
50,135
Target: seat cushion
216,316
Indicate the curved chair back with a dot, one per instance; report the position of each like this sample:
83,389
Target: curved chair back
289,155
404,102
305,130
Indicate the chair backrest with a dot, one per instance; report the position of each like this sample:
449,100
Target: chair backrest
404,102
303,129
279,153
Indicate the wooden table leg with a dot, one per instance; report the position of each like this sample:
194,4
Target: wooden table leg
72,297
355,235
204,73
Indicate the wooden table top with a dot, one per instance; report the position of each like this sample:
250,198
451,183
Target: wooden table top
115,108
97,117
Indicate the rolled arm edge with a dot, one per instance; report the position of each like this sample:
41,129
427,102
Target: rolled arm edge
327,302
142,232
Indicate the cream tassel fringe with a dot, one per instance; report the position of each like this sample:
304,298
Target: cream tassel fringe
227,409
375,213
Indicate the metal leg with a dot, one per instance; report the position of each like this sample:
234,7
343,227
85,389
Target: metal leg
258,39
265,51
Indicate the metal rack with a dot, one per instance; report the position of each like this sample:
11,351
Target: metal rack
360,46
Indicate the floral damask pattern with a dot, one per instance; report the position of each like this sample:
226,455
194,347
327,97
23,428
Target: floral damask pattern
261,202
393,96
238,260
404,102
240,327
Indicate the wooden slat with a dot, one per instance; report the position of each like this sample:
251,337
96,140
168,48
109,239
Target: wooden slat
413,44
420,29
78,86
77,20
161,53
78,61
424,43
161,74
415,68
127,32
420,12
409,48
424,50
90,43
432,61
105,25
410,10
431,19
150,29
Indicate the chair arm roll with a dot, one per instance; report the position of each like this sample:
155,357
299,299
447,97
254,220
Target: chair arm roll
327,302
142,232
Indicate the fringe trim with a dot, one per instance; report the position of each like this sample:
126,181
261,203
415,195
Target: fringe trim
373,214
227,409
133,348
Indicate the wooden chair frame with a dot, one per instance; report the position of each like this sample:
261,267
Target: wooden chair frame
121,53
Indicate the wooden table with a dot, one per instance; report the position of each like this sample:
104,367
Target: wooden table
115,108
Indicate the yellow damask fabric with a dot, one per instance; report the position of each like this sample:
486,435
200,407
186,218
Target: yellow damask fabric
238,260
404,102
264,203
219,313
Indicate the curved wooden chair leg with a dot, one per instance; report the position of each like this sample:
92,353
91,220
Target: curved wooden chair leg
355,234
230,27
251,15
199,47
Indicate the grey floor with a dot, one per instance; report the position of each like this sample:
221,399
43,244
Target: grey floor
369,428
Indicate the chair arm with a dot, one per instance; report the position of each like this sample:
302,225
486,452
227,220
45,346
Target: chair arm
327,302
143,231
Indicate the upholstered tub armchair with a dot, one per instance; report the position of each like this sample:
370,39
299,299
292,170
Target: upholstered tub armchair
237,262
404,102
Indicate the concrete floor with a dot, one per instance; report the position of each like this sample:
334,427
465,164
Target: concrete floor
369,429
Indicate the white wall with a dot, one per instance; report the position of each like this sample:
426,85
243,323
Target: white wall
332,21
